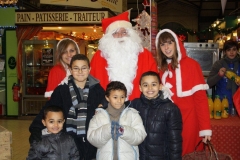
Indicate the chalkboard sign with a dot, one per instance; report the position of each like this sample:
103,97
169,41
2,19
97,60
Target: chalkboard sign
47,56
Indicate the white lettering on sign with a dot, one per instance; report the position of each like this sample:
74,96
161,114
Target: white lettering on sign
60,17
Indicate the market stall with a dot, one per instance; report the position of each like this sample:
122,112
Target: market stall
226,137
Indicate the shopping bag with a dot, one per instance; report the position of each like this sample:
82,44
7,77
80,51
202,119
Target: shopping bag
236,100
208,153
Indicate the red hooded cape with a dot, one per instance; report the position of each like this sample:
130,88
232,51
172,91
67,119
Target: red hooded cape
188,86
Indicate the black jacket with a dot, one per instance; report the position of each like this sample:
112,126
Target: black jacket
163,123
60,146
61,97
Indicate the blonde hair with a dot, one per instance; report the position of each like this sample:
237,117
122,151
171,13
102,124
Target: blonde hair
62,46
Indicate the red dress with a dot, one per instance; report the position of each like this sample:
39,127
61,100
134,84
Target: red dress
189,89
145,63
56,75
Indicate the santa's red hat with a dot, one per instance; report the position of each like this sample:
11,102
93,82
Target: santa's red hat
119,21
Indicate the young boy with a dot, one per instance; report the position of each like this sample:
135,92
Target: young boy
55,143
78,96
117,130
162,121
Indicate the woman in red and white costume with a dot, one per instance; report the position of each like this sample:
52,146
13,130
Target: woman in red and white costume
66,49
183,76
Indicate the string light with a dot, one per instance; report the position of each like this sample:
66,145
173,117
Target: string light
8,3
209,29
2,28
94,28
8,27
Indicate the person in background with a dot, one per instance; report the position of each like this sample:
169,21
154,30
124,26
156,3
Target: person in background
66,49
121,56
183,76
229,62
79,96
117,130
55,143
161,119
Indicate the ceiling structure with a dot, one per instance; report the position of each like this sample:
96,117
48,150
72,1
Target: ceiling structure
208,11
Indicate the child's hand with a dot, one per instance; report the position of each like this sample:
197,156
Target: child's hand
206,138
119,130
116,130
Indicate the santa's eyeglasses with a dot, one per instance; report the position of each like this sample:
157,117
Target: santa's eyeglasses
120,33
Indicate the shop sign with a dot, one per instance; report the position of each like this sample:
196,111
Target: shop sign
63,17
113,5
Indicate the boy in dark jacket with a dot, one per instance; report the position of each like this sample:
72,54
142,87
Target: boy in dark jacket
55,143
78,95
162,121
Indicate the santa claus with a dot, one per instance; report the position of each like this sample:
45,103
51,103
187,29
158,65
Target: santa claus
121,56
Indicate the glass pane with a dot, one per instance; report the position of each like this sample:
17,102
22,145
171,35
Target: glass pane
39,59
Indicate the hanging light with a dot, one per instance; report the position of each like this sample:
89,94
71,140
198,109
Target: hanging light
238,18
8,3
94,28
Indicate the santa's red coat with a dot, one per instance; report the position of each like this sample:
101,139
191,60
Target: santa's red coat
145,63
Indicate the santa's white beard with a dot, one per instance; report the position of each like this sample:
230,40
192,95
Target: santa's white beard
122,57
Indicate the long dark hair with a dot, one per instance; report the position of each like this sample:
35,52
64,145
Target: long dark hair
161,58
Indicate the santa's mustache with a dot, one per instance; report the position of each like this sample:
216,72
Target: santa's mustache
122,39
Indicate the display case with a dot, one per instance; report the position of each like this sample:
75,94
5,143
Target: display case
38,58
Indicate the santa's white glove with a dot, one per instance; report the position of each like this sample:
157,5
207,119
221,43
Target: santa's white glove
167,93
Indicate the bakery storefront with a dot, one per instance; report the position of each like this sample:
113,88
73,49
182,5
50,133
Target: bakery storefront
38,34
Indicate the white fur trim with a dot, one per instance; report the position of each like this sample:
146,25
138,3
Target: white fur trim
193,90
48,94
118,24
180,92
176,39
205,133
70,40
65,80
178,81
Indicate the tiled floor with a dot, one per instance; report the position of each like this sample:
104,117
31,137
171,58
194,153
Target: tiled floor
20,135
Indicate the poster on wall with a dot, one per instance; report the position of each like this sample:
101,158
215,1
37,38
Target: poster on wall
47,56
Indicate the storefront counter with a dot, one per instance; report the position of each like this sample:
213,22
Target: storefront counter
226,136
